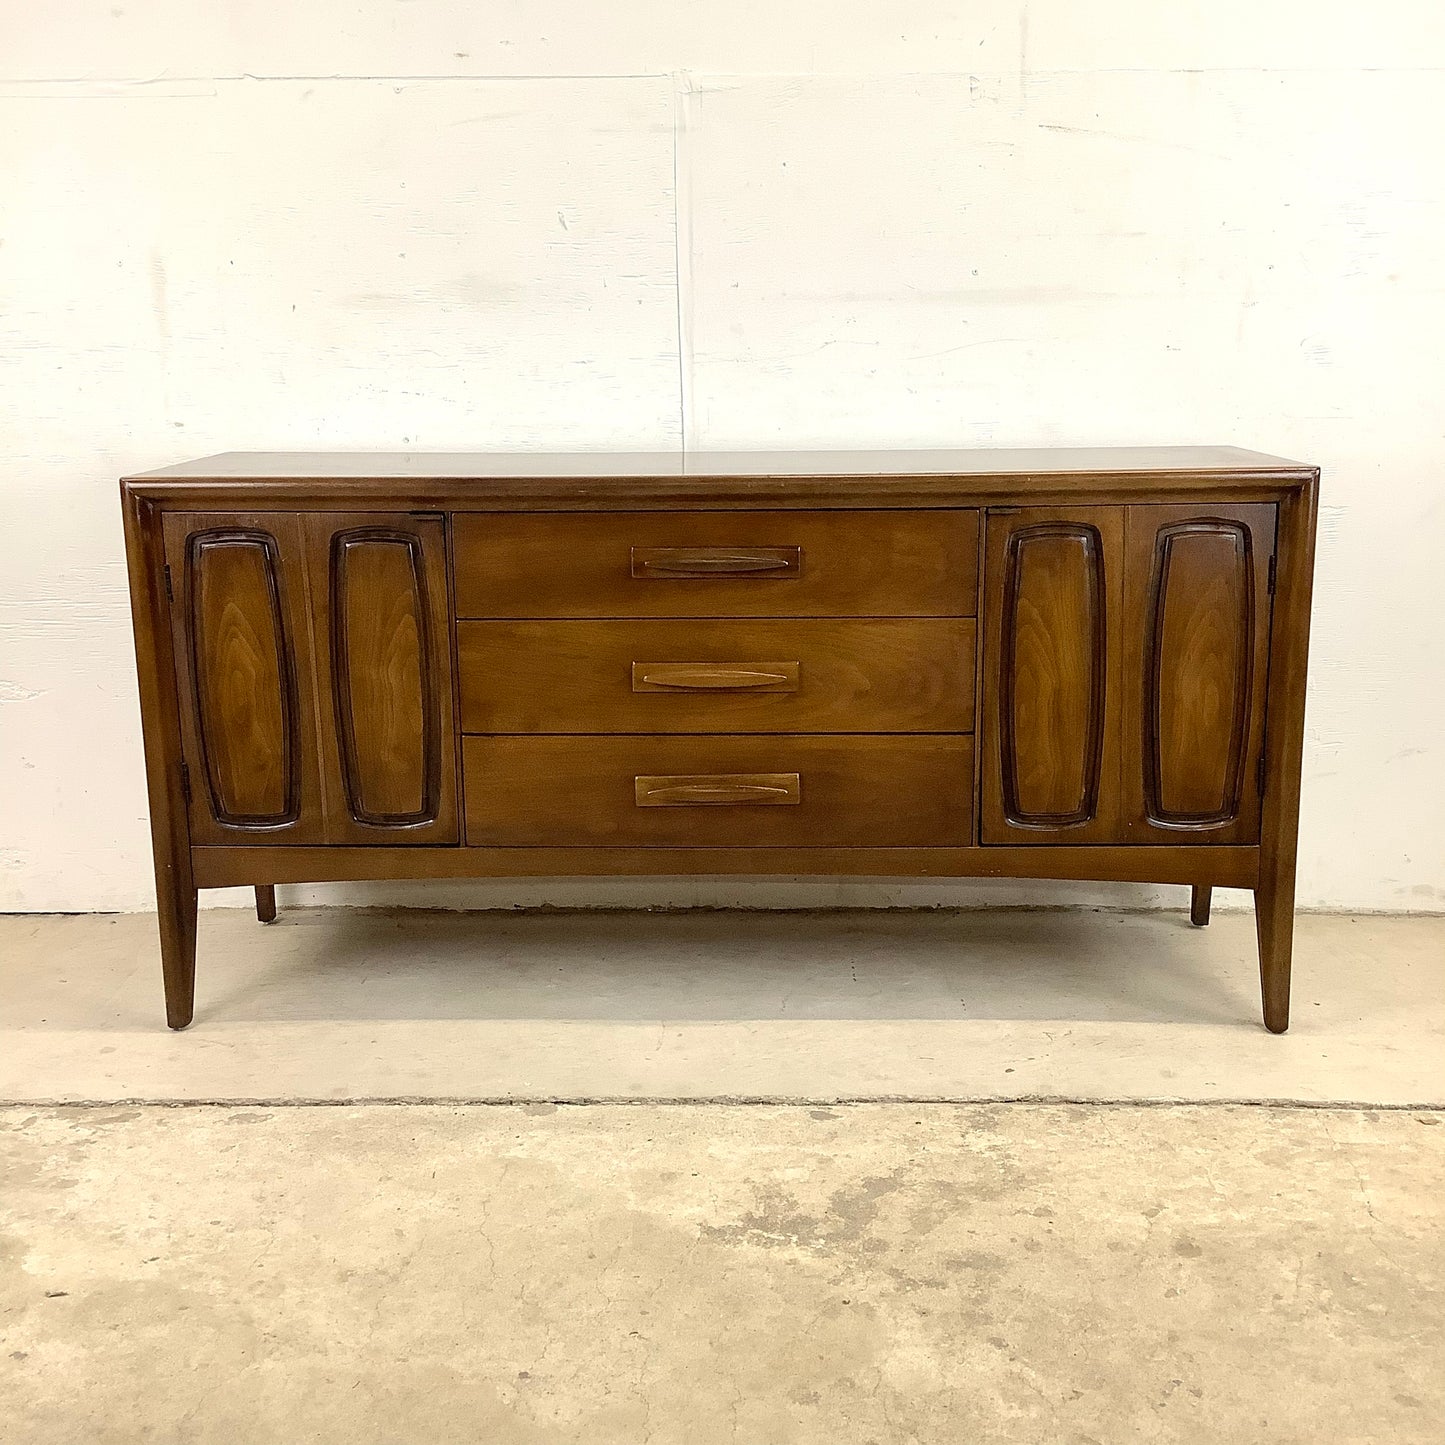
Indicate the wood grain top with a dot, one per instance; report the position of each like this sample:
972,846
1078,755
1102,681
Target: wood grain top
1022,462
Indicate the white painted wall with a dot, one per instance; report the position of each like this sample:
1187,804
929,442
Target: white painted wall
538,225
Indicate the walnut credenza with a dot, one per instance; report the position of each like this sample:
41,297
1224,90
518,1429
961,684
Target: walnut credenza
1084,664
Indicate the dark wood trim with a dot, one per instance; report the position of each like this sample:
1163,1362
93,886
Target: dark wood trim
1225,867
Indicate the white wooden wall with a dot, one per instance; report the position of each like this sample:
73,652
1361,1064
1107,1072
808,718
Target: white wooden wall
435,223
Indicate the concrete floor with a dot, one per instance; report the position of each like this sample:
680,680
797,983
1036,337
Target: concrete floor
333,1004
529,1275
893,1273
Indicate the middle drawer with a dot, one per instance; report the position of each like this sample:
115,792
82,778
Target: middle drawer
815,675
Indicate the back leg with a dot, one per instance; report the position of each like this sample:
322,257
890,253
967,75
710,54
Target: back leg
1199,904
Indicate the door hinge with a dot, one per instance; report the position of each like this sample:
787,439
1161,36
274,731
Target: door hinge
170,595
186,781
1272,561
1259,775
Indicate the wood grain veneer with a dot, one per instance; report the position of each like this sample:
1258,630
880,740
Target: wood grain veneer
711,564
873,675
898,791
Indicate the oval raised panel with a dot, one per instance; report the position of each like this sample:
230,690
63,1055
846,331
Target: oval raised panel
245,679
388,718
1053,679
1196,705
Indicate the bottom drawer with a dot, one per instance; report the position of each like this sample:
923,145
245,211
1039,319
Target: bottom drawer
719,792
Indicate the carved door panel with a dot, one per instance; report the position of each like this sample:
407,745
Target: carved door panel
239,627
384,676
1197,610
1053,613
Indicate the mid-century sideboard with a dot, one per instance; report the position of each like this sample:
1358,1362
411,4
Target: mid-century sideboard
1075,664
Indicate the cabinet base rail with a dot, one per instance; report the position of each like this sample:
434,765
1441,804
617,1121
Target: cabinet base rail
230,867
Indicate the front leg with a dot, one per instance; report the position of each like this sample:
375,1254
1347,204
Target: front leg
1274,926
176,905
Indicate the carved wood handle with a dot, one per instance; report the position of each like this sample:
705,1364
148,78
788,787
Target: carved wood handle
760,562
715,788
714,676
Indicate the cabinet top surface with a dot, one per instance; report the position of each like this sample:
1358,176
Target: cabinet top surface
1022,463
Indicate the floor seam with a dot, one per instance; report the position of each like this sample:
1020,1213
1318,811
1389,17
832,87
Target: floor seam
714,1100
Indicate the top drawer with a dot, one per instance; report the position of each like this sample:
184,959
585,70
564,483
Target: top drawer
716,564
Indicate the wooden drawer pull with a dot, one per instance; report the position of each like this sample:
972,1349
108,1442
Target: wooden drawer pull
714,676
715,788
760,562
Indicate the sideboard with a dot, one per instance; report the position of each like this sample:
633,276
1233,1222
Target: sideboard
1067,664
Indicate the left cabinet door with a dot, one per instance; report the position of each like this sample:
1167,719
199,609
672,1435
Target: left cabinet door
239,626
382,630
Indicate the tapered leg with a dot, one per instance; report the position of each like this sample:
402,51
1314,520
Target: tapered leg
160,730
1274,925
266,902
176,902
1199,897
1284,750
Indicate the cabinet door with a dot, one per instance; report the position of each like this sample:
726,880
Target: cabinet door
1053,609
1197,610
384,670
239,627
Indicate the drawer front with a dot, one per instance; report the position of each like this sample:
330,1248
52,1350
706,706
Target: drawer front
870,675
745,792
716,564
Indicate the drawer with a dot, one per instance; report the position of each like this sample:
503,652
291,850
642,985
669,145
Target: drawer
721,792
716,564
815,675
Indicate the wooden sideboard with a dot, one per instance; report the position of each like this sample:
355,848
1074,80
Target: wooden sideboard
1078,664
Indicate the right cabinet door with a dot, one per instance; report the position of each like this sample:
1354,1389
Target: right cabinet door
1196,628
1126,653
